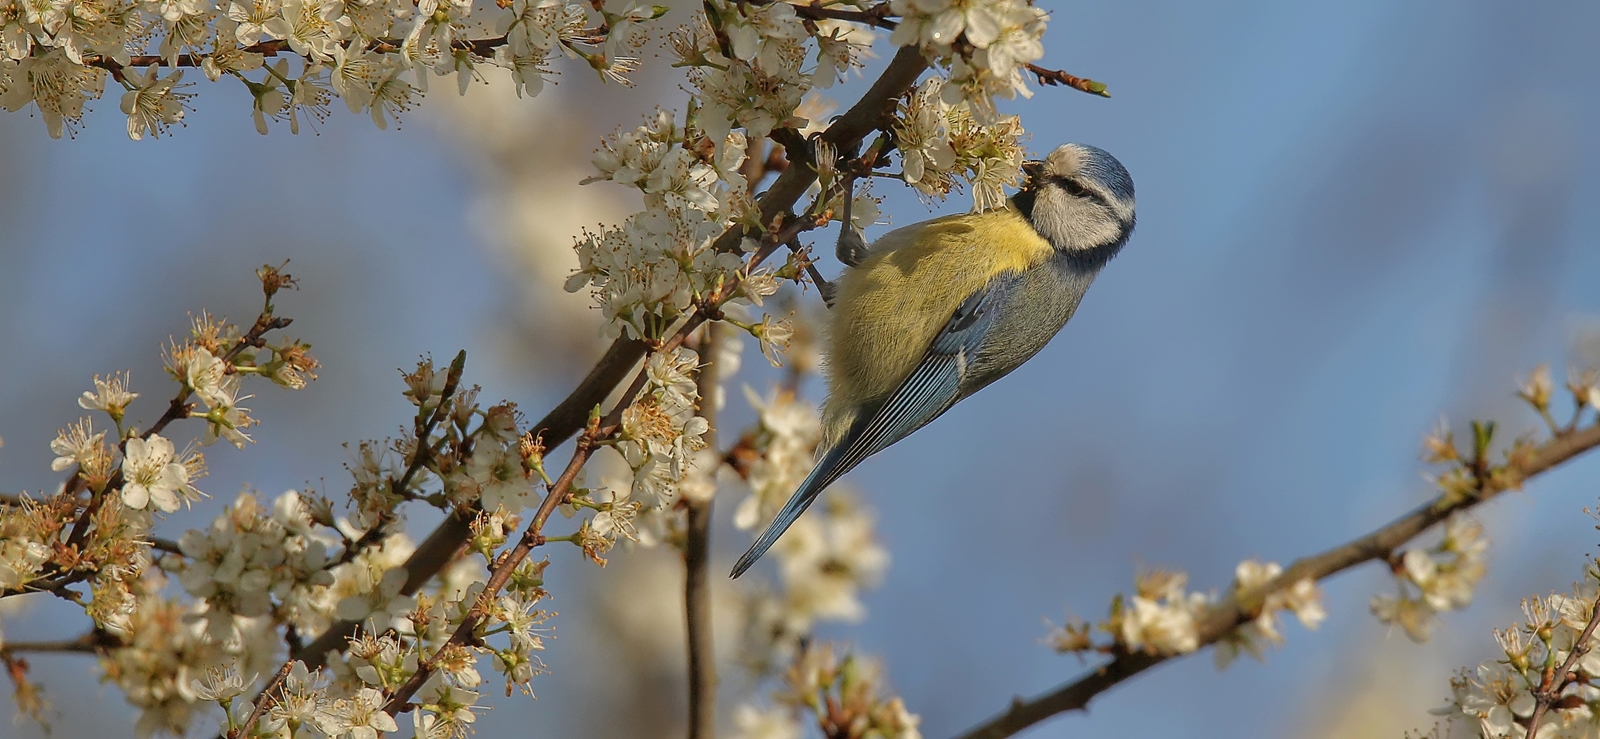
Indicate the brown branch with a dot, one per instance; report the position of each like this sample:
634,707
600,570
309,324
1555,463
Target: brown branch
696,563
1554,681
90,642
1241,608
483,47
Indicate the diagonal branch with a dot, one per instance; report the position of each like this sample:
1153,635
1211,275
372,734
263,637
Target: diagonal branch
1241,608
1553,682
532,537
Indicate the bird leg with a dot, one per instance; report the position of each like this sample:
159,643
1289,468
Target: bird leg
851,248
824,288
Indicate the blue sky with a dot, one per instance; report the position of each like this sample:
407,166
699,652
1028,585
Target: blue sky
1353,217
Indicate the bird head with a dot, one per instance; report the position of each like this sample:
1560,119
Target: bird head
1079,198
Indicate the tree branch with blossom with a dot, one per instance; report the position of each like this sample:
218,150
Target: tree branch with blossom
1483,481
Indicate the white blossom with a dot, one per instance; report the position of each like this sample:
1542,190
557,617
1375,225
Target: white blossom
1161,616
153,474
221,684
56,85
359,717
78,444
154,103
827,560
752,722
257,18
110,395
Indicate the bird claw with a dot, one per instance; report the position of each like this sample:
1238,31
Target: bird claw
827,290
851,248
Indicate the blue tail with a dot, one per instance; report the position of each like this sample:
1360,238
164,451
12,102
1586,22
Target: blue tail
827,470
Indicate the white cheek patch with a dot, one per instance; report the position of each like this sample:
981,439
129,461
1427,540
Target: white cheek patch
1070,223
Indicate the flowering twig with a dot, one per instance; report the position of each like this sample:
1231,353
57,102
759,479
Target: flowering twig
1554,681
1239,609
401,488
507,562
275,47
877,16
178,408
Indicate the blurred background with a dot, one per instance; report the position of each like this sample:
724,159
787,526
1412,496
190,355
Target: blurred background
1354,217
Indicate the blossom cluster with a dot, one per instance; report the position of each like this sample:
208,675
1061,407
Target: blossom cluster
1434,580
1163,617
940,141
251,562
1496,700
57,540
986,44
752,64
846,696
649,272
163,653
659,442
377,55
1303,599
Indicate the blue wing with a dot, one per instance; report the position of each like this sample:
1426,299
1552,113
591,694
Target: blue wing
932,387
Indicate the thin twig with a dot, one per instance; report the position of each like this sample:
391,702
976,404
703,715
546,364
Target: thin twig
90,642
483,47
696,563
423,429
265,701
1553,682
164,545
1056,77
1241,608
531,537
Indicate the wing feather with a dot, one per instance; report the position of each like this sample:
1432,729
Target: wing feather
932,387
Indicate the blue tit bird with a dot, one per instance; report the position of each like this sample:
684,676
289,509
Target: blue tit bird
935,311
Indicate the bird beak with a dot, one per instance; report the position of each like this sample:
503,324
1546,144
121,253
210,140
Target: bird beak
1033,168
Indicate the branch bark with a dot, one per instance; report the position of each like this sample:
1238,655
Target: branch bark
1240,609
90,642
696,562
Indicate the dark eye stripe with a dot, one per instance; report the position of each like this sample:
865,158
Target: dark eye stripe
1077,190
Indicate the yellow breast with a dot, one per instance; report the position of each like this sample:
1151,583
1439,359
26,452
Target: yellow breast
892,305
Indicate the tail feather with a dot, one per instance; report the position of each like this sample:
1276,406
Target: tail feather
827,470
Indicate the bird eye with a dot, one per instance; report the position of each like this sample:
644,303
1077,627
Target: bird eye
1073,188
